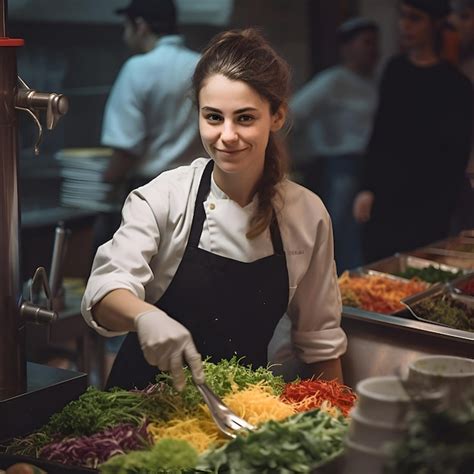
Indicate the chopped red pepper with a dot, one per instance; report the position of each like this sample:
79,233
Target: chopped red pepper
312,393
468,287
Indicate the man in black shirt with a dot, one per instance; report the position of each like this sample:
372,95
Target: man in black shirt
420,143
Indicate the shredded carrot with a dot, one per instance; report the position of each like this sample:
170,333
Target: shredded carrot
376,292
306,395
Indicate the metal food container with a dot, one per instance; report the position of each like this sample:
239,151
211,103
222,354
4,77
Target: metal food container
401,262
454,246
365,272
446,257
457,288
434,292
467,234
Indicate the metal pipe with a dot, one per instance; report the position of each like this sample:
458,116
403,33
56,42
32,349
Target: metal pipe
12,361
3,16
12,342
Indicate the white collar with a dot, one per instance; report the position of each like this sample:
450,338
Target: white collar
217,193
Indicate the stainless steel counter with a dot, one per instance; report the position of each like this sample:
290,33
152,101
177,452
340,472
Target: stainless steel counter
381,344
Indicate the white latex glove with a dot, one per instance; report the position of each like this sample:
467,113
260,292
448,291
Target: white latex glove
362,208
168,345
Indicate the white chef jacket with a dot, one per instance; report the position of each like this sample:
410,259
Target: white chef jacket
144,254
333,113
150,112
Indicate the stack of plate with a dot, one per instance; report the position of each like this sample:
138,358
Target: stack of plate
379,418
81,171
378,422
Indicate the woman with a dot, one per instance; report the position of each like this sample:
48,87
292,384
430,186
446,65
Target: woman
420,142
210,256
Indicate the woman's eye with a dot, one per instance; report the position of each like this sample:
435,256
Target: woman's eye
245,118
213,118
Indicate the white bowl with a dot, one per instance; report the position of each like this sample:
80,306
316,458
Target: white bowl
362,460
385,400
382,399
454,375
371,434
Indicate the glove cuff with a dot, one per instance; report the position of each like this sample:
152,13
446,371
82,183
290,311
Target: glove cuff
144,314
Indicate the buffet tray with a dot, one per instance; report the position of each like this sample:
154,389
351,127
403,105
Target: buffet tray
436,290
8,460
361,272
400,262
332,466
469,234
457,284
454,246
446,257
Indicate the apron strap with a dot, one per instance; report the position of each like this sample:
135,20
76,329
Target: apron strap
276,236
200,214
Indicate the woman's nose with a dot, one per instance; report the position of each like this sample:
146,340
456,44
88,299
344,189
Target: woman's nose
229,134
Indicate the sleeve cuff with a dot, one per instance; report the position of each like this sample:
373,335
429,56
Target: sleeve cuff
89,302
317,346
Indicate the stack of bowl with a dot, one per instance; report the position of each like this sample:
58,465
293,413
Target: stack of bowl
454,376
378,420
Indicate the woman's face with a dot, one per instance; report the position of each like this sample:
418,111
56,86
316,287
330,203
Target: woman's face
235,124
416,28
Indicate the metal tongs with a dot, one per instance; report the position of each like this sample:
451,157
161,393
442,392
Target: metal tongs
226,420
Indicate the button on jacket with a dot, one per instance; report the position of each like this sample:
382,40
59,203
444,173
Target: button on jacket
145,252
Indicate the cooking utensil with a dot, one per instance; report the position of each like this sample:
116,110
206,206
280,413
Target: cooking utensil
226,420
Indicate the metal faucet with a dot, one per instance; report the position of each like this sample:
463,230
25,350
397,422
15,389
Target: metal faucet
14,312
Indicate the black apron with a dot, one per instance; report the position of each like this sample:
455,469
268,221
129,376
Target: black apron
229,307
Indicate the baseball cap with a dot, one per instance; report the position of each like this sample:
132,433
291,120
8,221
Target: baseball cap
153,11
435,8
352,27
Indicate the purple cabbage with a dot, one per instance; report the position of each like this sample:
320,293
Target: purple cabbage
90,451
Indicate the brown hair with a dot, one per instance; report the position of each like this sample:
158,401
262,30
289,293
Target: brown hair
244,55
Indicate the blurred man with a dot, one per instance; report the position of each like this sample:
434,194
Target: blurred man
419,146
149,118
463,20
333,116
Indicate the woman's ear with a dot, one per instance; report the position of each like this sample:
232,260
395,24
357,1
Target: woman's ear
278,118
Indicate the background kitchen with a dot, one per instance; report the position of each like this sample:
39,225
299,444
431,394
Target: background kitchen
76,48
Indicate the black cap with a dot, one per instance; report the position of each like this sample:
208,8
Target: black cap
459,6
152,11
352,27
435,8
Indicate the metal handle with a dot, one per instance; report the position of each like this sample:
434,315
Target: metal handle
32,102
31,310
59,252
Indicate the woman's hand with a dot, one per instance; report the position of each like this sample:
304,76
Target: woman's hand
362,207
168,345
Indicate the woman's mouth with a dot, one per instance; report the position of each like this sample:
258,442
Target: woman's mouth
229,152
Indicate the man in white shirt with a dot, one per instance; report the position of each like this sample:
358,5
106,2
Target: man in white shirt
150,120
333,116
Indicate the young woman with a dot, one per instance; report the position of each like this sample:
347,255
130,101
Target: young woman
210,256
420,142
